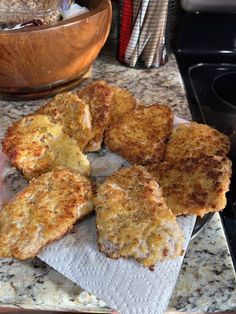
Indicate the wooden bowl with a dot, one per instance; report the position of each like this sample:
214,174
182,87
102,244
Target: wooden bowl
41,61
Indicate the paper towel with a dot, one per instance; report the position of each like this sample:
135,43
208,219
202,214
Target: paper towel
122,284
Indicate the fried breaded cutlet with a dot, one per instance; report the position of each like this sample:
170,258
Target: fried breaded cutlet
36,145
43,212
194,185
72,114
140,134
98,95
133,220
122,102
194,139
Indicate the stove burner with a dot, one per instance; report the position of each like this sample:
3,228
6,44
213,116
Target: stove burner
224,87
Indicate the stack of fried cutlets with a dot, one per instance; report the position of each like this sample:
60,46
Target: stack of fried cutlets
177,171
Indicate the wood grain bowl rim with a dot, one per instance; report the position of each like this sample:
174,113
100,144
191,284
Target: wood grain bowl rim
102,6
48,90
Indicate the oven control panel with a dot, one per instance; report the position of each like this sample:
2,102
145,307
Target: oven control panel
209,6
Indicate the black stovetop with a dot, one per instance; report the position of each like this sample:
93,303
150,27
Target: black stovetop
205,49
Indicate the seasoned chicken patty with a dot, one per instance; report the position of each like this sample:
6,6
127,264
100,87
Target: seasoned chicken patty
133,219
195,139
122,102
194,185
36,145
43,212
72,114
140,135
98,95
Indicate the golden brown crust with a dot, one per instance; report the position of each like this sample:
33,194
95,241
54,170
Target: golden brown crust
133,219
72,114
122,102
195,139
36,145
43,212
98,95
140,134
194,185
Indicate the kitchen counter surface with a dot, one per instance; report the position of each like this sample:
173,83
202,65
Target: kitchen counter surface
207,279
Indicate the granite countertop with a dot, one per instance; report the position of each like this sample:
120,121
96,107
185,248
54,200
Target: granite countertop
207,279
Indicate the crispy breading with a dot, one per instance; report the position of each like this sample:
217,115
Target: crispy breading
133,219
72,114
140,134
43,212
98,95
194,139
36,145
122,102
194,185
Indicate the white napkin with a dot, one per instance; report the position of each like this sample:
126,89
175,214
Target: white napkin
124,285
74,9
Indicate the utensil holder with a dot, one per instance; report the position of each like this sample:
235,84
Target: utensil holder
145,32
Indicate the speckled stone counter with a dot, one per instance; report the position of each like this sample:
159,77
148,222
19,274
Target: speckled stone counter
207,280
